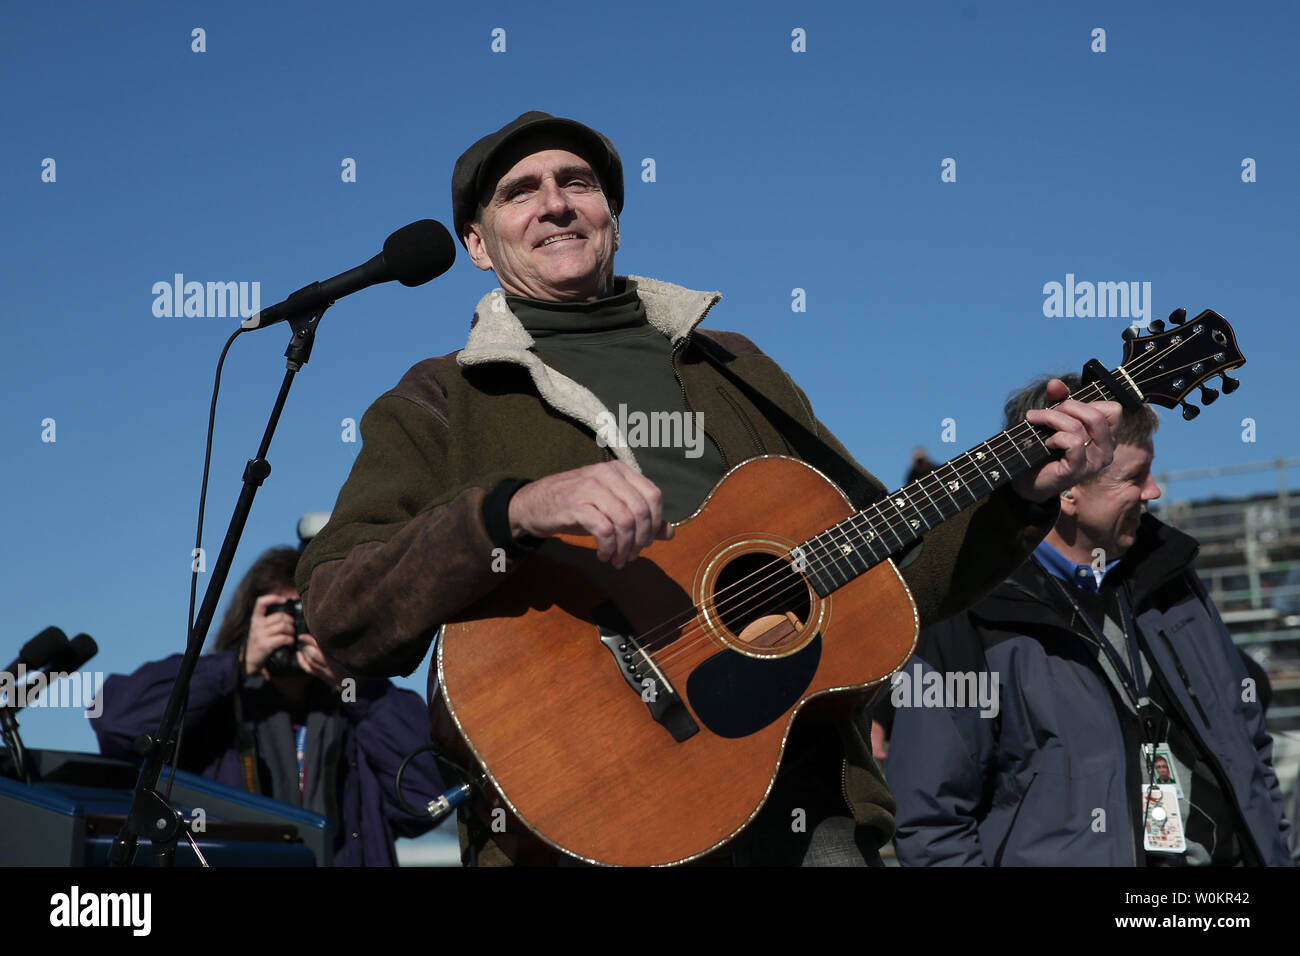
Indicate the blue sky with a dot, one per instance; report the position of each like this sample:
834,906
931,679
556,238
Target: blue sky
774,170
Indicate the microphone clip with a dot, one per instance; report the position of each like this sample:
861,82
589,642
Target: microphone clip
298,352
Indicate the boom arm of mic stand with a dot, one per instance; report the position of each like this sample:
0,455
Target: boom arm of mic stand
151,816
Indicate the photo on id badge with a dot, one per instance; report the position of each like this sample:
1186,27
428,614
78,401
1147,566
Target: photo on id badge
1161,768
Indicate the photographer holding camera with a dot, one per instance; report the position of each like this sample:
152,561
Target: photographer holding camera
268,714
278,641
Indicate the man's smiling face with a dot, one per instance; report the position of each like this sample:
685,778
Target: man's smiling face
545,228
1107,508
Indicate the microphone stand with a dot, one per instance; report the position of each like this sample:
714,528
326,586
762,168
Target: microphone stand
14,742
151,816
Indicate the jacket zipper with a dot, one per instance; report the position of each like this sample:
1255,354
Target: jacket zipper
844,785
744,420
1011,827
1191,692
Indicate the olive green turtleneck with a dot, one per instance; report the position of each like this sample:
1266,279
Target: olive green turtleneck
609,347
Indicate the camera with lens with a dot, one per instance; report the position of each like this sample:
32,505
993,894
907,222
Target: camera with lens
284,660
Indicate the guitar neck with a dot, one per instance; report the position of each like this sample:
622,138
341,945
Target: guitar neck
858,543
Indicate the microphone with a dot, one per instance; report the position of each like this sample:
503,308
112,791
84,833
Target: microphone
72,655
39,649
66,661
412,255
35,652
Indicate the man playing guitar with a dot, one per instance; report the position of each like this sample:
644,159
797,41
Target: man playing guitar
477,460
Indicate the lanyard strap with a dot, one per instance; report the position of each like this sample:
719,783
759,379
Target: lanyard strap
1143,706
301,748
245,741
1131,639
1132,681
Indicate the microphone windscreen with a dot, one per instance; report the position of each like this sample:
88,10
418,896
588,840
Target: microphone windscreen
72,655
79,650
419,252
42,647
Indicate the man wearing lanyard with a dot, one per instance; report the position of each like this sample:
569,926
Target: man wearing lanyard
1122,728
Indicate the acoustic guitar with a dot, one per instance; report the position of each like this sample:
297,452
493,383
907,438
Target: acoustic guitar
639,716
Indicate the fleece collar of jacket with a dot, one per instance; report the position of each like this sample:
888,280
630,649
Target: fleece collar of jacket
497,335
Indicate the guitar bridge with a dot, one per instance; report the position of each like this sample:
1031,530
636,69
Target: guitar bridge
641,673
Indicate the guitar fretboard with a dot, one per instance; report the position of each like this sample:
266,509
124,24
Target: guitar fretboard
858,543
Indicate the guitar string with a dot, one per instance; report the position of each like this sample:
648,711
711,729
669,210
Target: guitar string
649,644
798,585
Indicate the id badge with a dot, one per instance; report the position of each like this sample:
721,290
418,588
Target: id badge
1161,759
1162,823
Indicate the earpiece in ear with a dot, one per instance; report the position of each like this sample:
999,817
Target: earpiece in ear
1067,493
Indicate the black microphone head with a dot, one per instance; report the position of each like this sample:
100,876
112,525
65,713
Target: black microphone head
41,648
75,653
419,252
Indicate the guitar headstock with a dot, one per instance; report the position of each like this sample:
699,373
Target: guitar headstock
1168,363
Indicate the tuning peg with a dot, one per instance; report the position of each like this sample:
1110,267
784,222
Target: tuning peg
1156,325
1130,333
1189,411
1208,395
1229,384
1178,316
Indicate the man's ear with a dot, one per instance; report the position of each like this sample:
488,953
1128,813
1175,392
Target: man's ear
1068,505
477,248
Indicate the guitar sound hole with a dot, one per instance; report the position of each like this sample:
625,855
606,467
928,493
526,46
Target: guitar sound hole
762,601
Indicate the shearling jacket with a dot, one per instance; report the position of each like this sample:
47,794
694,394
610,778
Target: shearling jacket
407,546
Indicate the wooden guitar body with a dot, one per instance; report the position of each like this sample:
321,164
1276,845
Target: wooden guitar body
659,743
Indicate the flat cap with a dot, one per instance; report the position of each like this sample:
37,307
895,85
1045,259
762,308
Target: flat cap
467,179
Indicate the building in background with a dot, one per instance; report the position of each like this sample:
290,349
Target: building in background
1250,562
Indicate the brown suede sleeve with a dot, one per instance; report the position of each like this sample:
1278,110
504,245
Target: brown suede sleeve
400,554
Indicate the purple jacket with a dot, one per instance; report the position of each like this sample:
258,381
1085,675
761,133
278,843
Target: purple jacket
367,740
